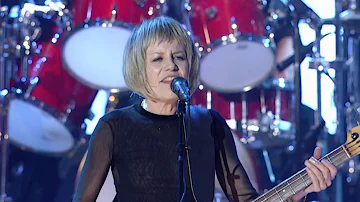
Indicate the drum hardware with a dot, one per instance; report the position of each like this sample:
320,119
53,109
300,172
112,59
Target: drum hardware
25,30
62,114
140,3
276,12
113,100
68,110
113,15
52,10
186,20
188,14
349,90
342,89
350,18
234,28
299,10
317,63
211,12
263,4
16,43
261,115
82,141
268,129
10,51
30,99
353,171
268,165
90,116
302,11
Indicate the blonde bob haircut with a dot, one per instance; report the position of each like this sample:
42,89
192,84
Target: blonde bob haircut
148,33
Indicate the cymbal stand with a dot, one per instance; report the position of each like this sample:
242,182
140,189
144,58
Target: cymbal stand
317,63
5,68
353,106
18,30
296,16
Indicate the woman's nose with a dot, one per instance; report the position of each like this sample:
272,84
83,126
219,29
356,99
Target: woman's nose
172,66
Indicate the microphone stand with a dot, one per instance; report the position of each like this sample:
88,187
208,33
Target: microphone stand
181,109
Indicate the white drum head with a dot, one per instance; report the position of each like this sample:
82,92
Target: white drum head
94,56
236,66
37,130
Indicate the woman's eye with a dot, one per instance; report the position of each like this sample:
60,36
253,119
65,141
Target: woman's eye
157,59
180,57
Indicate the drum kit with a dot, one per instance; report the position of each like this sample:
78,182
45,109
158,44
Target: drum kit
242,85
57,55
54,60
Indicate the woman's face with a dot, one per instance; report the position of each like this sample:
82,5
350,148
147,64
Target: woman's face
164,62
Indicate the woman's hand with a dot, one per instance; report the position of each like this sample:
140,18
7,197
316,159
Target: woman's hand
321,172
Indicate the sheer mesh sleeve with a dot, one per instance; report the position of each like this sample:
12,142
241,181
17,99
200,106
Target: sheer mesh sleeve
97,164
229,171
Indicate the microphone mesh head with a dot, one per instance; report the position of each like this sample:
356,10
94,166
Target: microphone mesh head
178,80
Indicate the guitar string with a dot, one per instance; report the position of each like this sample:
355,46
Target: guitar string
335,159
300,172
293,185
305,175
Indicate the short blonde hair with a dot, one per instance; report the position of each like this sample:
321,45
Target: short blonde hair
149,32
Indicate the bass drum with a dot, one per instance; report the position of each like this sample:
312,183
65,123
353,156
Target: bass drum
108,191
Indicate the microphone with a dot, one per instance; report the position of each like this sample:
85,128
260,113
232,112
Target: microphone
179,86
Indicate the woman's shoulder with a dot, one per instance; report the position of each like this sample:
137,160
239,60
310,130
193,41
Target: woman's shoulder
208,114
197,111
119,114
213,113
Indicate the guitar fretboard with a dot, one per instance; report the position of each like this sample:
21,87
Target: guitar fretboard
301,180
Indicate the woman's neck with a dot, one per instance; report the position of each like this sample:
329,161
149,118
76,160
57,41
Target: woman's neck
161,108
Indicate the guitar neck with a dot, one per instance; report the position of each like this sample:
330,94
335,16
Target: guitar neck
301,180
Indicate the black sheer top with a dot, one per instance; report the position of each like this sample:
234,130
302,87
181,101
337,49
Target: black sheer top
141,149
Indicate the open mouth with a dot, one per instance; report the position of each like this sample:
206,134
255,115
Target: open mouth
168,79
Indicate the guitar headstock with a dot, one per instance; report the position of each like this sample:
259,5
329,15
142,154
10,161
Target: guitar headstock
352,144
